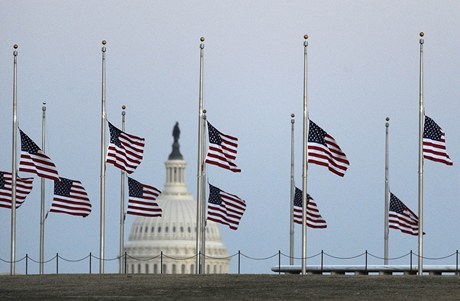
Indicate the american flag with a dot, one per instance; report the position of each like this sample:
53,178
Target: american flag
434,143
125,151
23,188
225,208
314,219
34,160
402,218
222,149
142,199
323,150
71,198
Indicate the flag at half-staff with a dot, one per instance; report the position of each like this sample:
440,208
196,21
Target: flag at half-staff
23,188
324,150
125,151
225,208
222,149
70,198
34,160
401,218
434,142
142,199
314,219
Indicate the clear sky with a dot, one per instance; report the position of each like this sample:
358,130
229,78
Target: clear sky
363,65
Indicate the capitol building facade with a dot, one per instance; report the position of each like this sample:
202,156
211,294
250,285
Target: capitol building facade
167,244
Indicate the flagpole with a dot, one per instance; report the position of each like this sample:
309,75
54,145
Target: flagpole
420,161
122,203
291,211
42,203
387,193
200,163
13,165
103,130
203,202
304,160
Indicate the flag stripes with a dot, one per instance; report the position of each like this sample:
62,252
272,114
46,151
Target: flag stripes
23,188
225,208
434,143
34,160
142,198
314,219
323,150
125,151
70,198
222,149
401,218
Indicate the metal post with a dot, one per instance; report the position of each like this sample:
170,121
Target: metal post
103,130
42,203
304,160
420,162
13,165
122,202
126,262
279,262
322,261
410,260
291,199
365,262
27,264
57,263
456,262
161,262
387,194
90,257
239,262
199,199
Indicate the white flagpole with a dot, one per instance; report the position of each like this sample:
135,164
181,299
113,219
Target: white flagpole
13,165
420,161
387,193
42,203
304,160
203,201
122,203
200,164
291,211
103,130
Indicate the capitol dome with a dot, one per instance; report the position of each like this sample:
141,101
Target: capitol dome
167,244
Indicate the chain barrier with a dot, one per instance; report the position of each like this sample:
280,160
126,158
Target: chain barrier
279,254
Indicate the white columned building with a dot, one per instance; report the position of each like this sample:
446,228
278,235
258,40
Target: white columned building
174,233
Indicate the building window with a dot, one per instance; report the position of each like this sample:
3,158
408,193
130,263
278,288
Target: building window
183,269
174,269
159,229
164,269
146,268
139,268
189,230
166,229
155,268
146,229
174,229
181,229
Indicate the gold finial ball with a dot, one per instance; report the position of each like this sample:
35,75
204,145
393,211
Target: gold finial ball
104,42
202,39
421,34
123,107
204,111
292,115
305,36
387,119
15,46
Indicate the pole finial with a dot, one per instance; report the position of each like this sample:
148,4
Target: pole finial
44,106
292,115
204,111
305,37
202,39
15,46
387,119
123,107
421,34
104,42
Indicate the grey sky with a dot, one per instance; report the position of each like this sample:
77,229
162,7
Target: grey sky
363,66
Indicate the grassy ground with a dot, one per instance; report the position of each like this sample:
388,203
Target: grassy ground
228,287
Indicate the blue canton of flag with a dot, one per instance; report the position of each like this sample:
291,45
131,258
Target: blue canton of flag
222,149
142,199
400,217
70,198
225,208
314,219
